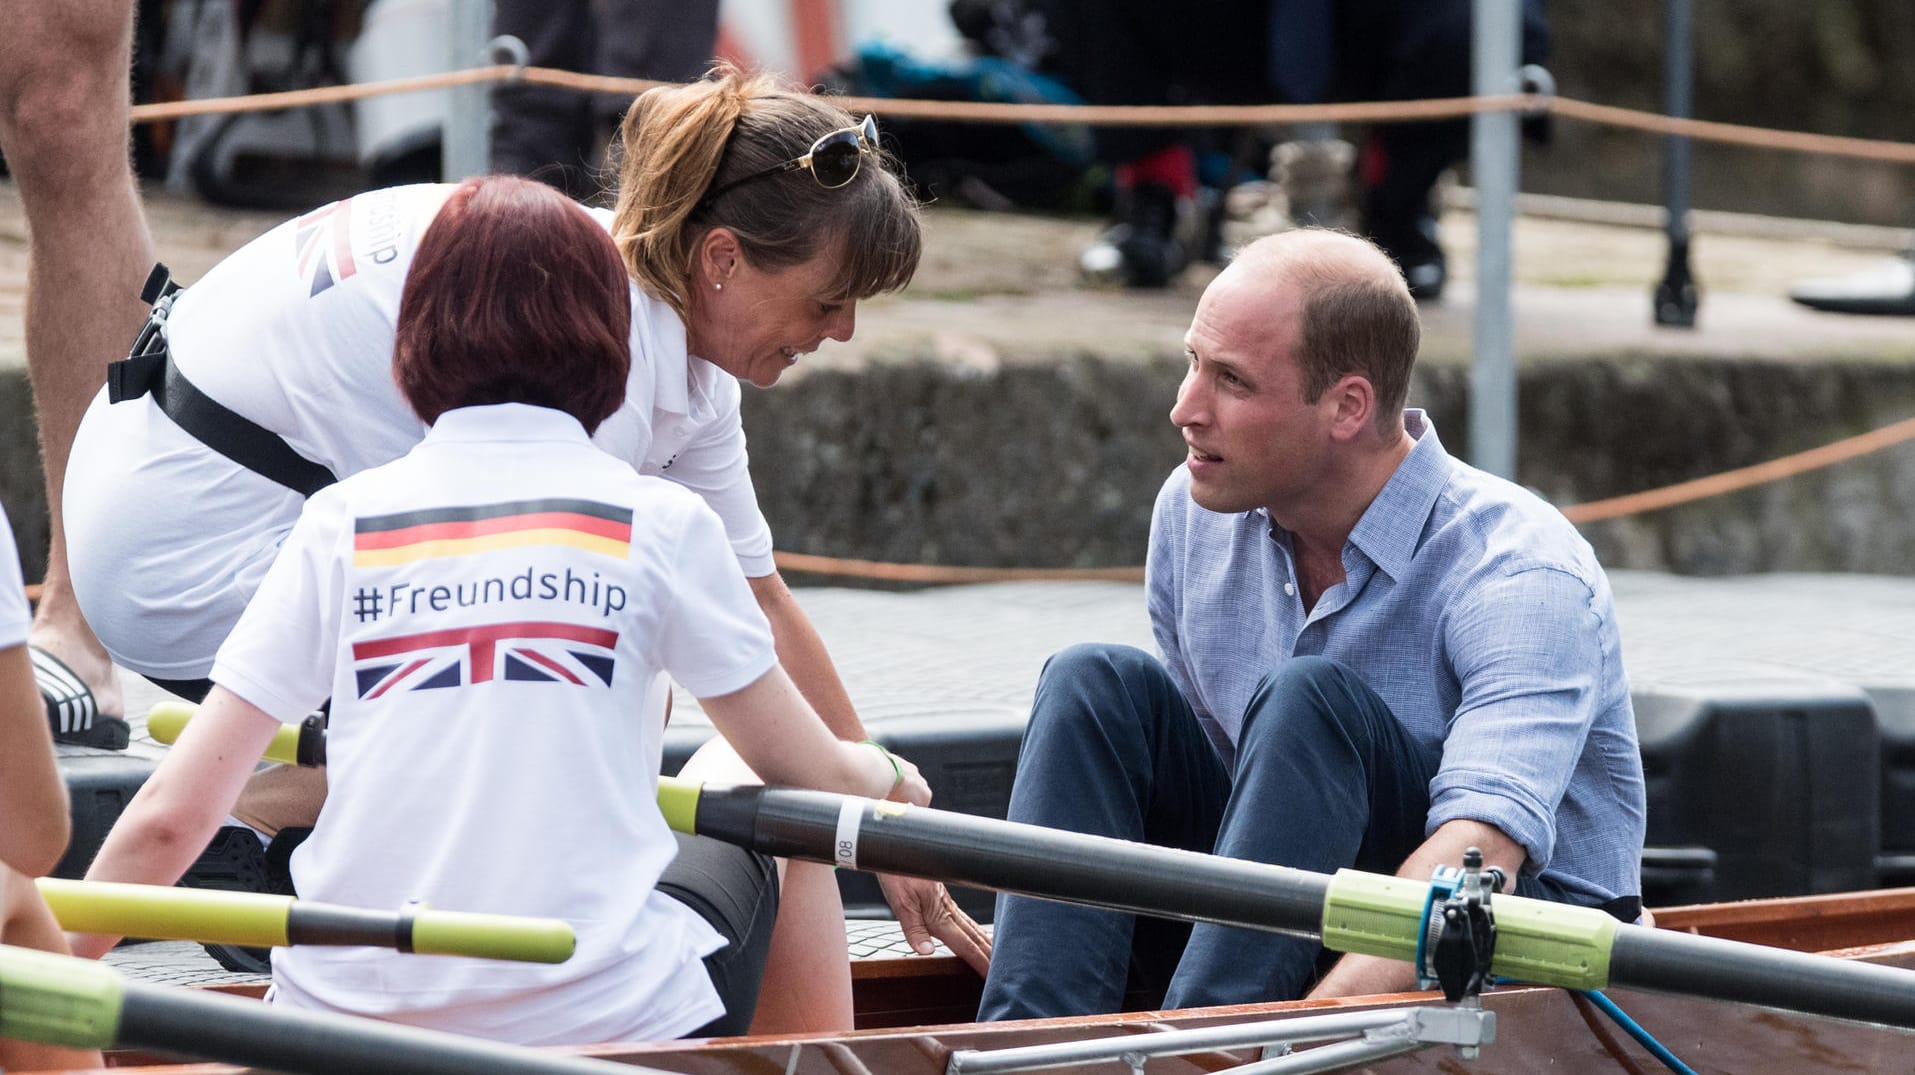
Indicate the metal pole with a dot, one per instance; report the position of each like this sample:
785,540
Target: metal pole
1676,295
463,141
1497,30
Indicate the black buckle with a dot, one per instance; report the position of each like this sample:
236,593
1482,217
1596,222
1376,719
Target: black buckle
143,370
135,376
159,285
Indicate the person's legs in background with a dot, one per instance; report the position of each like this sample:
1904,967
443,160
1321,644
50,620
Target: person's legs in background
1113,750
64,100
545,132
1390,51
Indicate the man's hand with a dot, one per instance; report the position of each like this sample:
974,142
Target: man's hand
926,910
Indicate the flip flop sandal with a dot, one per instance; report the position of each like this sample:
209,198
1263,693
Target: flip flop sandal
71,711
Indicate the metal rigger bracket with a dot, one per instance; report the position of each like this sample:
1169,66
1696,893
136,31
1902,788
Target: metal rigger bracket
1453,952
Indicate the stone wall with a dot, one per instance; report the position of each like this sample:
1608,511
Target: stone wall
22,488
1058,465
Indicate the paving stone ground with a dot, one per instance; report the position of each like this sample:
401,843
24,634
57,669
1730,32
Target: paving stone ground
977,650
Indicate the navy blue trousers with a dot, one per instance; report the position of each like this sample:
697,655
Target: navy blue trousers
1325,778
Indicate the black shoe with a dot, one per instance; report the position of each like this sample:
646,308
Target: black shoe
1143,249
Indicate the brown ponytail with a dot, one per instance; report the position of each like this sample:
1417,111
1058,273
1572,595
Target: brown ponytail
679,142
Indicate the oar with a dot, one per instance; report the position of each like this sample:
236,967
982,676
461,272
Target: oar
294,744
1536,941
262,920
59,1000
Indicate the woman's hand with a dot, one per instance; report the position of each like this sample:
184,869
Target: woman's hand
899,778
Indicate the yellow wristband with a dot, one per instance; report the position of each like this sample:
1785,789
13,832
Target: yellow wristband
896,769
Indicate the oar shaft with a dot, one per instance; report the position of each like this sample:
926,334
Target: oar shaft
1011,857
1537,941
237,1031
59,1000
1670,962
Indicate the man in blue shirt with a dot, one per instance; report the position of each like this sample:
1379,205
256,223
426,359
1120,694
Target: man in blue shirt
1374,656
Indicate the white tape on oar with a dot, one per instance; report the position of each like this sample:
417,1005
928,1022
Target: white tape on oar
845,850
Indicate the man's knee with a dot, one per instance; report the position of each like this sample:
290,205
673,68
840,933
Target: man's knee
1085,681
1090,694
1099,662
1312,692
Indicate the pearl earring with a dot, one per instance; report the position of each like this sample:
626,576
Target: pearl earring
718,287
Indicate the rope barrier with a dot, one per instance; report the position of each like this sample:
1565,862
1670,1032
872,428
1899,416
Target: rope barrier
938,574
1157,116
1730,481
1099,115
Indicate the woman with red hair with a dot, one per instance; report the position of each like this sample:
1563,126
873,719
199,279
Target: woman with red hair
490,615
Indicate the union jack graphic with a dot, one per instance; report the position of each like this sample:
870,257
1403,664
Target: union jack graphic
526,652
323,243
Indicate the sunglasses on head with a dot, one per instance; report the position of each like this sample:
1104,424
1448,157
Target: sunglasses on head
832,160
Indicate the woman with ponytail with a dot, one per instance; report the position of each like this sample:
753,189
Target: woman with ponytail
751,219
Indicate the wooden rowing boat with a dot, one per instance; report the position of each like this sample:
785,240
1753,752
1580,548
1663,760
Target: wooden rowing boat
913,1014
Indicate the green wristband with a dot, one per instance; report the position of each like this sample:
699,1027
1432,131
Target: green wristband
896,769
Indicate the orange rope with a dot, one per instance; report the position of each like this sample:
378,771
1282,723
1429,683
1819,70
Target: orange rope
1730,481
943,575
1760,137
1101,115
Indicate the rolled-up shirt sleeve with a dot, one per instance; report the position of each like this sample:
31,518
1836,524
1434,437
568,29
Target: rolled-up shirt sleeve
1526,648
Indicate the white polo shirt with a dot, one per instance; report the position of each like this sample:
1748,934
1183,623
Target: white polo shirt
295,331
488,615
15,620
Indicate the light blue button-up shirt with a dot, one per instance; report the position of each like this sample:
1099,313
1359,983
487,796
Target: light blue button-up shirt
1477,613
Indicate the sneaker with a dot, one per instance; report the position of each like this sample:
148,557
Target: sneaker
1887,289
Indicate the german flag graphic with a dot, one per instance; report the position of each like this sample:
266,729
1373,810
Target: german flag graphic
386,540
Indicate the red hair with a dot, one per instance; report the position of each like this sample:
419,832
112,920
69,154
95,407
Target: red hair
515,295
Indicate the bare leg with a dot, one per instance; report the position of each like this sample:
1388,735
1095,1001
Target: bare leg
63,126
807,985
26,922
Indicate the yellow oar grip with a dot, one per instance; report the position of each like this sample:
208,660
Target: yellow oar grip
678,801
491,936
58,1000
182,914
166,720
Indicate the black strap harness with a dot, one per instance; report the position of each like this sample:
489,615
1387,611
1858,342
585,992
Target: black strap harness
149,370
